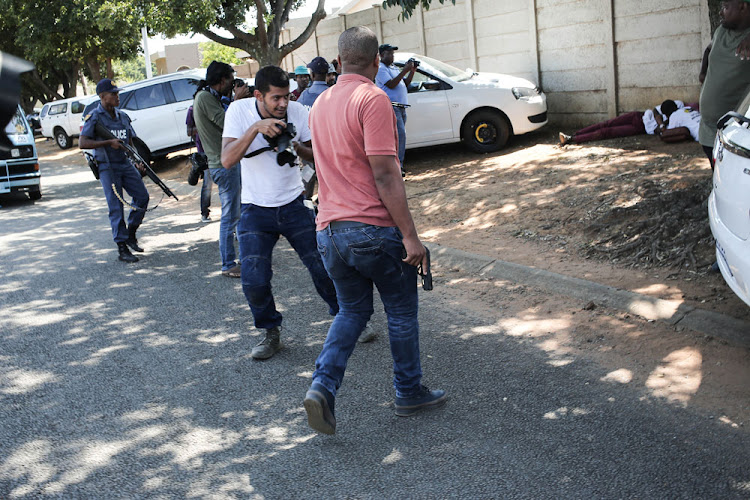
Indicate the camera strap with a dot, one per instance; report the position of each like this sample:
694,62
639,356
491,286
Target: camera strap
258,151
267,148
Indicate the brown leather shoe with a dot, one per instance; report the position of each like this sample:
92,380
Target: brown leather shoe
234,272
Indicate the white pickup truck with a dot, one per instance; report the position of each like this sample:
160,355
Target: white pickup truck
61,119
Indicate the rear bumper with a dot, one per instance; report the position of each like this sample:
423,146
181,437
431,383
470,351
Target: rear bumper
15,185
732,254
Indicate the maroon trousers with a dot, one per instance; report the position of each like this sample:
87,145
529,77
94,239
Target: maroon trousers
621,126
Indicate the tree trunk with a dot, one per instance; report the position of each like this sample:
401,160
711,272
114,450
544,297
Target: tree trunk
110,72
267,56
94,69
41,90
71,78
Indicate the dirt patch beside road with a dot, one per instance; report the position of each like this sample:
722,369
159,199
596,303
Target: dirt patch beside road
540,205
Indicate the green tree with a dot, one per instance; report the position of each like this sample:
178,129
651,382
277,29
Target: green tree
131,70
253,25
65,38
212,51
407,6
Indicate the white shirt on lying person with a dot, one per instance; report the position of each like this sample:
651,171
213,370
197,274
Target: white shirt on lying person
686,117
650,122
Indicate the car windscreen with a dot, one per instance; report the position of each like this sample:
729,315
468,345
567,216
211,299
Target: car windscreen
89,108
17,125
442,70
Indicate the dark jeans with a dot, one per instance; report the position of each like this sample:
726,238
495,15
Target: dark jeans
206,193
259,230
401,128
621,126
128,178
358,256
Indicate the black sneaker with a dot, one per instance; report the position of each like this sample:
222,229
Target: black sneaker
424,399
319,404
125,254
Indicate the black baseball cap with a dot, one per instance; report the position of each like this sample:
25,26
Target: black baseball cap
319,66
106,85
386,46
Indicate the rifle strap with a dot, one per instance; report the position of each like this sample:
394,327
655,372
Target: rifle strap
133,207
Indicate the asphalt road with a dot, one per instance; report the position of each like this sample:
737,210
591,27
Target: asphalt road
135,381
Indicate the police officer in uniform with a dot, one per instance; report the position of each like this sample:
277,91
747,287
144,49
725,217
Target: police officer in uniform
114,167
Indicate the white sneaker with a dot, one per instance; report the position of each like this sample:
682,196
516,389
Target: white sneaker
207,218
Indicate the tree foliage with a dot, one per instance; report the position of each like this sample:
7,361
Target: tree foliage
212,51
130,70
407,6
254,26
65,38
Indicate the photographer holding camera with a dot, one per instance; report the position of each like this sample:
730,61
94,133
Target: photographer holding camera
395,83
208,112
264,134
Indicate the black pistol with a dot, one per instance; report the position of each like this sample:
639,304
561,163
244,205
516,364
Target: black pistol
426,276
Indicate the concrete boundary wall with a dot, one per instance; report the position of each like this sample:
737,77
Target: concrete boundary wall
593,58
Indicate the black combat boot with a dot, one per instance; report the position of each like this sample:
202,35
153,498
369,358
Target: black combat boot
132,241
125,254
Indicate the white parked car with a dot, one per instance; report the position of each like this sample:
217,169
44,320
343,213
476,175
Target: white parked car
157,108
481,109
61,119
729,203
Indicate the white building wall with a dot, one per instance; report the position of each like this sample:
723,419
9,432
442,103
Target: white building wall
593,58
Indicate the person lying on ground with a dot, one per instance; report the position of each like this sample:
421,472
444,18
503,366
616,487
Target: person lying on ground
683,125
625,125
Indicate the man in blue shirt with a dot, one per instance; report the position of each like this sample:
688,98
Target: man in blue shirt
319,68
395,83
114,168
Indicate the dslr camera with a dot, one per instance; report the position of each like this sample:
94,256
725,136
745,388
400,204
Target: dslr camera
283,144
198,165
413,61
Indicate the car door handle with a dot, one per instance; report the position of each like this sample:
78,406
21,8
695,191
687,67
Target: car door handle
181,109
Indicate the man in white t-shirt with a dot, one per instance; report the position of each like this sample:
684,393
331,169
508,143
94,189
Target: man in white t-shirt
271,196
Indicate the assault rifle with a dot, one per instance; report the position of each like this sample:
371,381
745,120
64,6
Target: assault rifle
135,159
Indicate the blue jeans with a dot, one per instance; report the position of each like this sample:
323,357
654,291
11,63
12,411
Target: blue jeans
206,193
128,178
401,127
357,257
229,184
259,230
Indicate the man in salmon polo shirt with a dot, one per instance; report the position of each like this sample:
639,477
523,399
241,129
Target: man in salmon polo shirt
366,235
